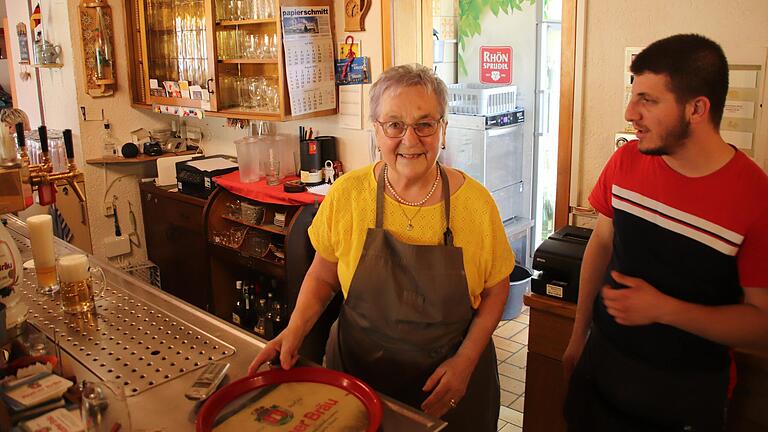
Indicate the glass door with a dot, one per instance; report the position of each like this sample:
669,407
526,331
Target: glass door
178,60
249,54
547,118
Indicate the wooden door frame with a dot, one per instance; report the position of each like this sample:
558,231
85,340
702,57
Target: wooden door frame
565,129
567,89
387,41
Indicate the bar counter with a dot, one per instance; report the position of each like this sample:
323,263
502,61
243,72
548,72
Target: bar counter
155,345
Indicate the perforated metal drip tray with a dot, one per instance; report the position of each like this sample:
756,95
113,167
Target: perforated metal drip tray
126,340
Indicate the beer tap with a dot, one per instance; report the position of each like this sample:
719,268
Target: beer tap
19,179
42,176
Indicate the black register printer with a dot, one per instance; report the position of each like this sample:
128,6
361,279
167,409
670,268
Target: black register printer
193,177
558,263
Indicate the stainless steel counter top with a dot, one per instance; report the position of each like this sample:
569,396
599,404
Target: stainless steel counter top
155,344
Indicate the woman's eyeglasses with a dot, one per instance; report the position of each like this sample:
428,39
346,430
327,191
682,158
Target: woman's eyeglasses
397,129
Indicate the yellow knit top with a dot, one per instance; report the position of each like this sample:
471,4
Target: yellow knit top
339,229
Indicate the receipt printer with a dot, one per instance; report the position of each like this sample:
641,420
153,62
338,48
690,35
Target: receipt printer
557,263
195,177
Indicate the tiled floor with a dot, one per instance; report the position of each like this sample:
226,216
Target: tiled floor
511,339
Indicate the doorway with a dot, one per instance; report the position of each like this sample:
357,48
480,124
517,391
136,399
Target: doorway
548,40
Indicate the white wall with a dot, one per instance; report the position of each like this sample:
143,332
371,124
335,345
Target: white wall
738,25
26,91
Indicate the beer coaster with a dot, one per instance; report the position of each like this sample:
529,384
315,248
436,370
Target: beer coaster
28,265
310,399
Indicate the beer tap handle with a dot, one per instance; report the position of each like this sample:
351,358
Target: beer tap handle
70,148
43,132
20,141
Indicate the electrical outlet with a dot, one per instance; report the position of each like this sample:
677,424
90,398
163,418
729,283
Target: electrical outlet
109,210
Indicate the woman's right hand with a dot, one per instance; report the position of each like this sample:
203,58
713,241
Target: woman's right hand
287,344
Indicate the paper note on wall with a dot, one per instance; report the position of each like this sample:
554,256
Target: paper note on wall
351,107
738,126
742,140
739,109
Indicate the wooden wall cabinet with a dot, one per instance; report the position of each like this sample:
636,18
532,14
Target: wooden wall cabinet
201,42
173,226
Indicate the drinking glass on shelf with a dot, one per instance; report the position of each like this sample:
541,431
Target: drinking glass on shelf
256,9
254,92
221,10
264,45
273,46
243,9
269,8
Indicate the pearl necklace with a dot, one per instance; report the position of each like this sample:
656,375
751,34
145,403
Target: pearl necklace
401,200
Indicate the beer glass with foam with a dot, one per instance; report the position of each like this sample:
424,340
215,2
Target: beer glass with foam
76,283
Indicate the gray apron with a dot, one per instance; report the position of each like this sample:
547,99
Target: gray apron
407,311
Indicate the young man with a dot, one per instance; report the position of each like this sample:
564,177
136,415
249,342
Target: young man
674,273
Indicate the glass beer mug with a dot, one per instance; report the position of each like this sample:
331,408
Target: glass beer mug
76,283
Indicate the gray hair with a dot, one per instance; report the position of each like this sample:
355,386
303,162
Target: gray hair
11,116
397,78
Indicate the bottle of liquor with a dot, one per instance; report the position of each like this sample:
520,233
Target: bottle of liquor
109,142
261,322
254,299
245,319
238,311
270,317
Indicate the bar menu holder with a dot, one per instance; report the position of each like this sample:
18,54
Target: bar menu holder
97,30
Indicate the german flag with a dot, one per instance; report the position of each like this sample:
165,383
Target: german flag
36,22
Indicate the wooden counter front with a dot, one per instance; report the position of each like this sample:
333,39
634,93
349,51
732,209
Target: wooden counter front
551,322
549,329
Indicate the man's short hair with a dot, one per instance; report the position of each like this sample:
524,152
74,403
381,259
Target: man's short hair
696,66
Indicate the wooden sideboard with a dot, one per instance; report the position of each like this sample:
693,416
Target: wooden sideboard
173,224
549,329
551,322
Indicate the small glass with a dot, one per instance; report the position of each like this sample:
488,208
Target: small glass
273,172
104,408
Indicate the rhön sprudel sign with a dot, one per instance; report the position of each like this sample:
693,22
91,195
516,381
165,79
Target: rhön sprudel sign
496,64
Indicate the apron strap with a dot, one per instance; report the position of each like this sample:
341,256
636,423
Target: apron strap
380,199
448,234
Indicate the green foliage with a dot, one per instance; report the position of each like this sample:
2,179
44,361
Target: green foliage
469,18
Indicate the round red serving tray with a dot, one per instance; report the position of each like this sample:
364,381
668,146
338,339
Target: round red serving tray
219,400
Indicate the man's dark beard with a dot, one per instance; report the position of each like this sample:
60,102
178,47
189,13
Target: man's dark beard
672,140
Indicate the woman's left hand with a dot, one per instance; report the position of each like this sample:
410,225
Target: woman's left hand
448,384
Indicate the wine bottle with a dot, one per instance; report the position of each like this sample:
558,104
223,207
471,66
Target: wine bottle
237,312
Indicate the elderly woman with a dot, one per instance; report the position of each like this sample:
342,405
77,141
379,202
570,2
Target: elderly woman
419,252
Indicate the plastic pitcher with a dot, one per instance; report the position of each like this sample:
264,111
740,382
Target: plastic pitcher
249,154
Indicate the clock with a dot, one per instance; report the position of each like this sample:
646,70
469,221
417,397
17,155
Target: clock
354,14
